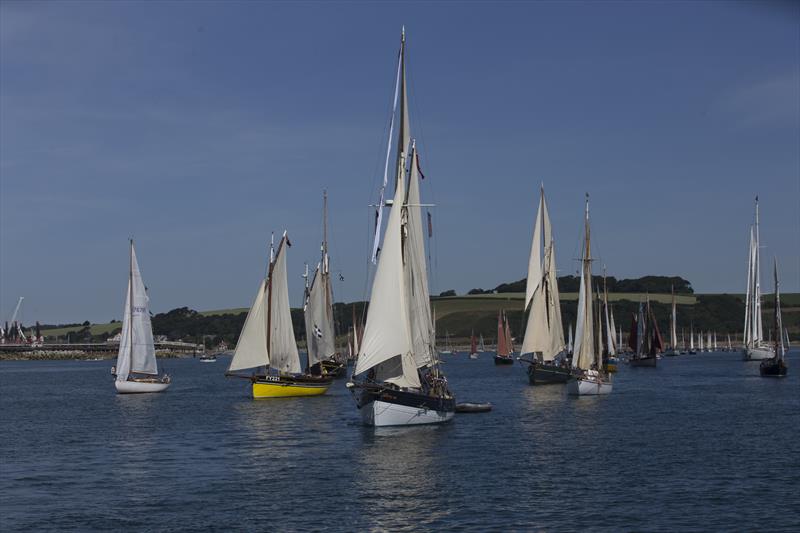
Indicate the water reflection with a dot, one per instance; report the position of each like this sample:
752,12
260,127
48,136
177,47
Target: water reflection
397,476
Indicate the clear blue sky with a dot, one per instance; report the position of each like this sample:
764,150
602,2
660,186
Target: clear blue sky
198,127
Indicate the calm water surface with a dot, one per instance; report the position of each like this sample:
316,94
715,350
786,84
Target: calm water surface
700,443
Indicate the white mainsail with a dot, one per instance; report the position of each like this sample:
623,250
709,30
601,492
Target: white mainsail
673,324
137,352
418,297
609,316
320,337
282,345
544,332
318,308
753,328
584,354
570,343
780,343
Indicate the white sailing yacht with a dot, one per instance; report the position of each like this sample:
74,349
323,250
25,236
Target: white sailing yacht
754,349
692,351
397,379
587,361
544,334
323,357
136,369
673,331
267,339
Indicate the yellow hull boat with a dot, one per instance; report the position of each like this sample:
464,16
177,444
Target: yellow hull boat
281,387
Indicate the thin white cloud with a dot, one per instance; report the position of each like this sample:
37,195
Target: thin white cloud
772,102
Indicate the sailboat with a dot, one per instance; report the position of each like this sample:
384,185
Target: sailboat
700,347
505,349
709,343
569,342
136,369
692,351
609,349
482,345
267,339
397,379
776,366
683,341
543,347
588,377
754,346
647,342
448,348
473,346
323,357
673,331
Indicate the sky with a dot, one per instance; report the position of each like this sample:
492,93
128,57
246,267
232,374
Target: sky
198,128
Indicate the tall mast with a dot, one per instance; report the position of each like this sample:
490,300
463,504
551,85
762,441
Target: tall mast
325,231
269,296
130,302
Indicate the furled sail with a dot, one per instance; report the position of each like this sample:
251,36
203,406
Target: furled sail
136,349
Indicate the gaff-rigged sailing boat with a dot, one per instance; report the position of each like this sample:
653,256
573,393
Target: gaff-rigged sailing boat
646,343
267,339
505,349
754,346
543,347
776,366
473,346
673,330
588,378
136,369
318,312
397,379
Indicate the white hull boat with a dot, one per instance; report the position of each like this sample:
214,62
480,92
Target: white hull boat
758,354
588,386
378,414
473,356
137,387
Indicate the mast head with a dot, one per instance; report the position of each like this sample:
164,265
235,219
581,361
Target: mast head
403,33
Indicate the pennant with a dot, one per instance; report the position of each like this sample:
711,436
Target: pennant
421,175
430,225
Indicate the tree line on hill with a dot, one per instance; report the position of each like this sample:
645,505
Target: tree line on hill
654,284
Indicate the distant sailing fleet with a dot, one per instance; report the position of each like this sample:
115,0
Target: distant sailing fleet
397,376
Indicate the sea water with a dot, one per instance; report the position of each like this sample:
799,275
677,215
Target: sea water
700,443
